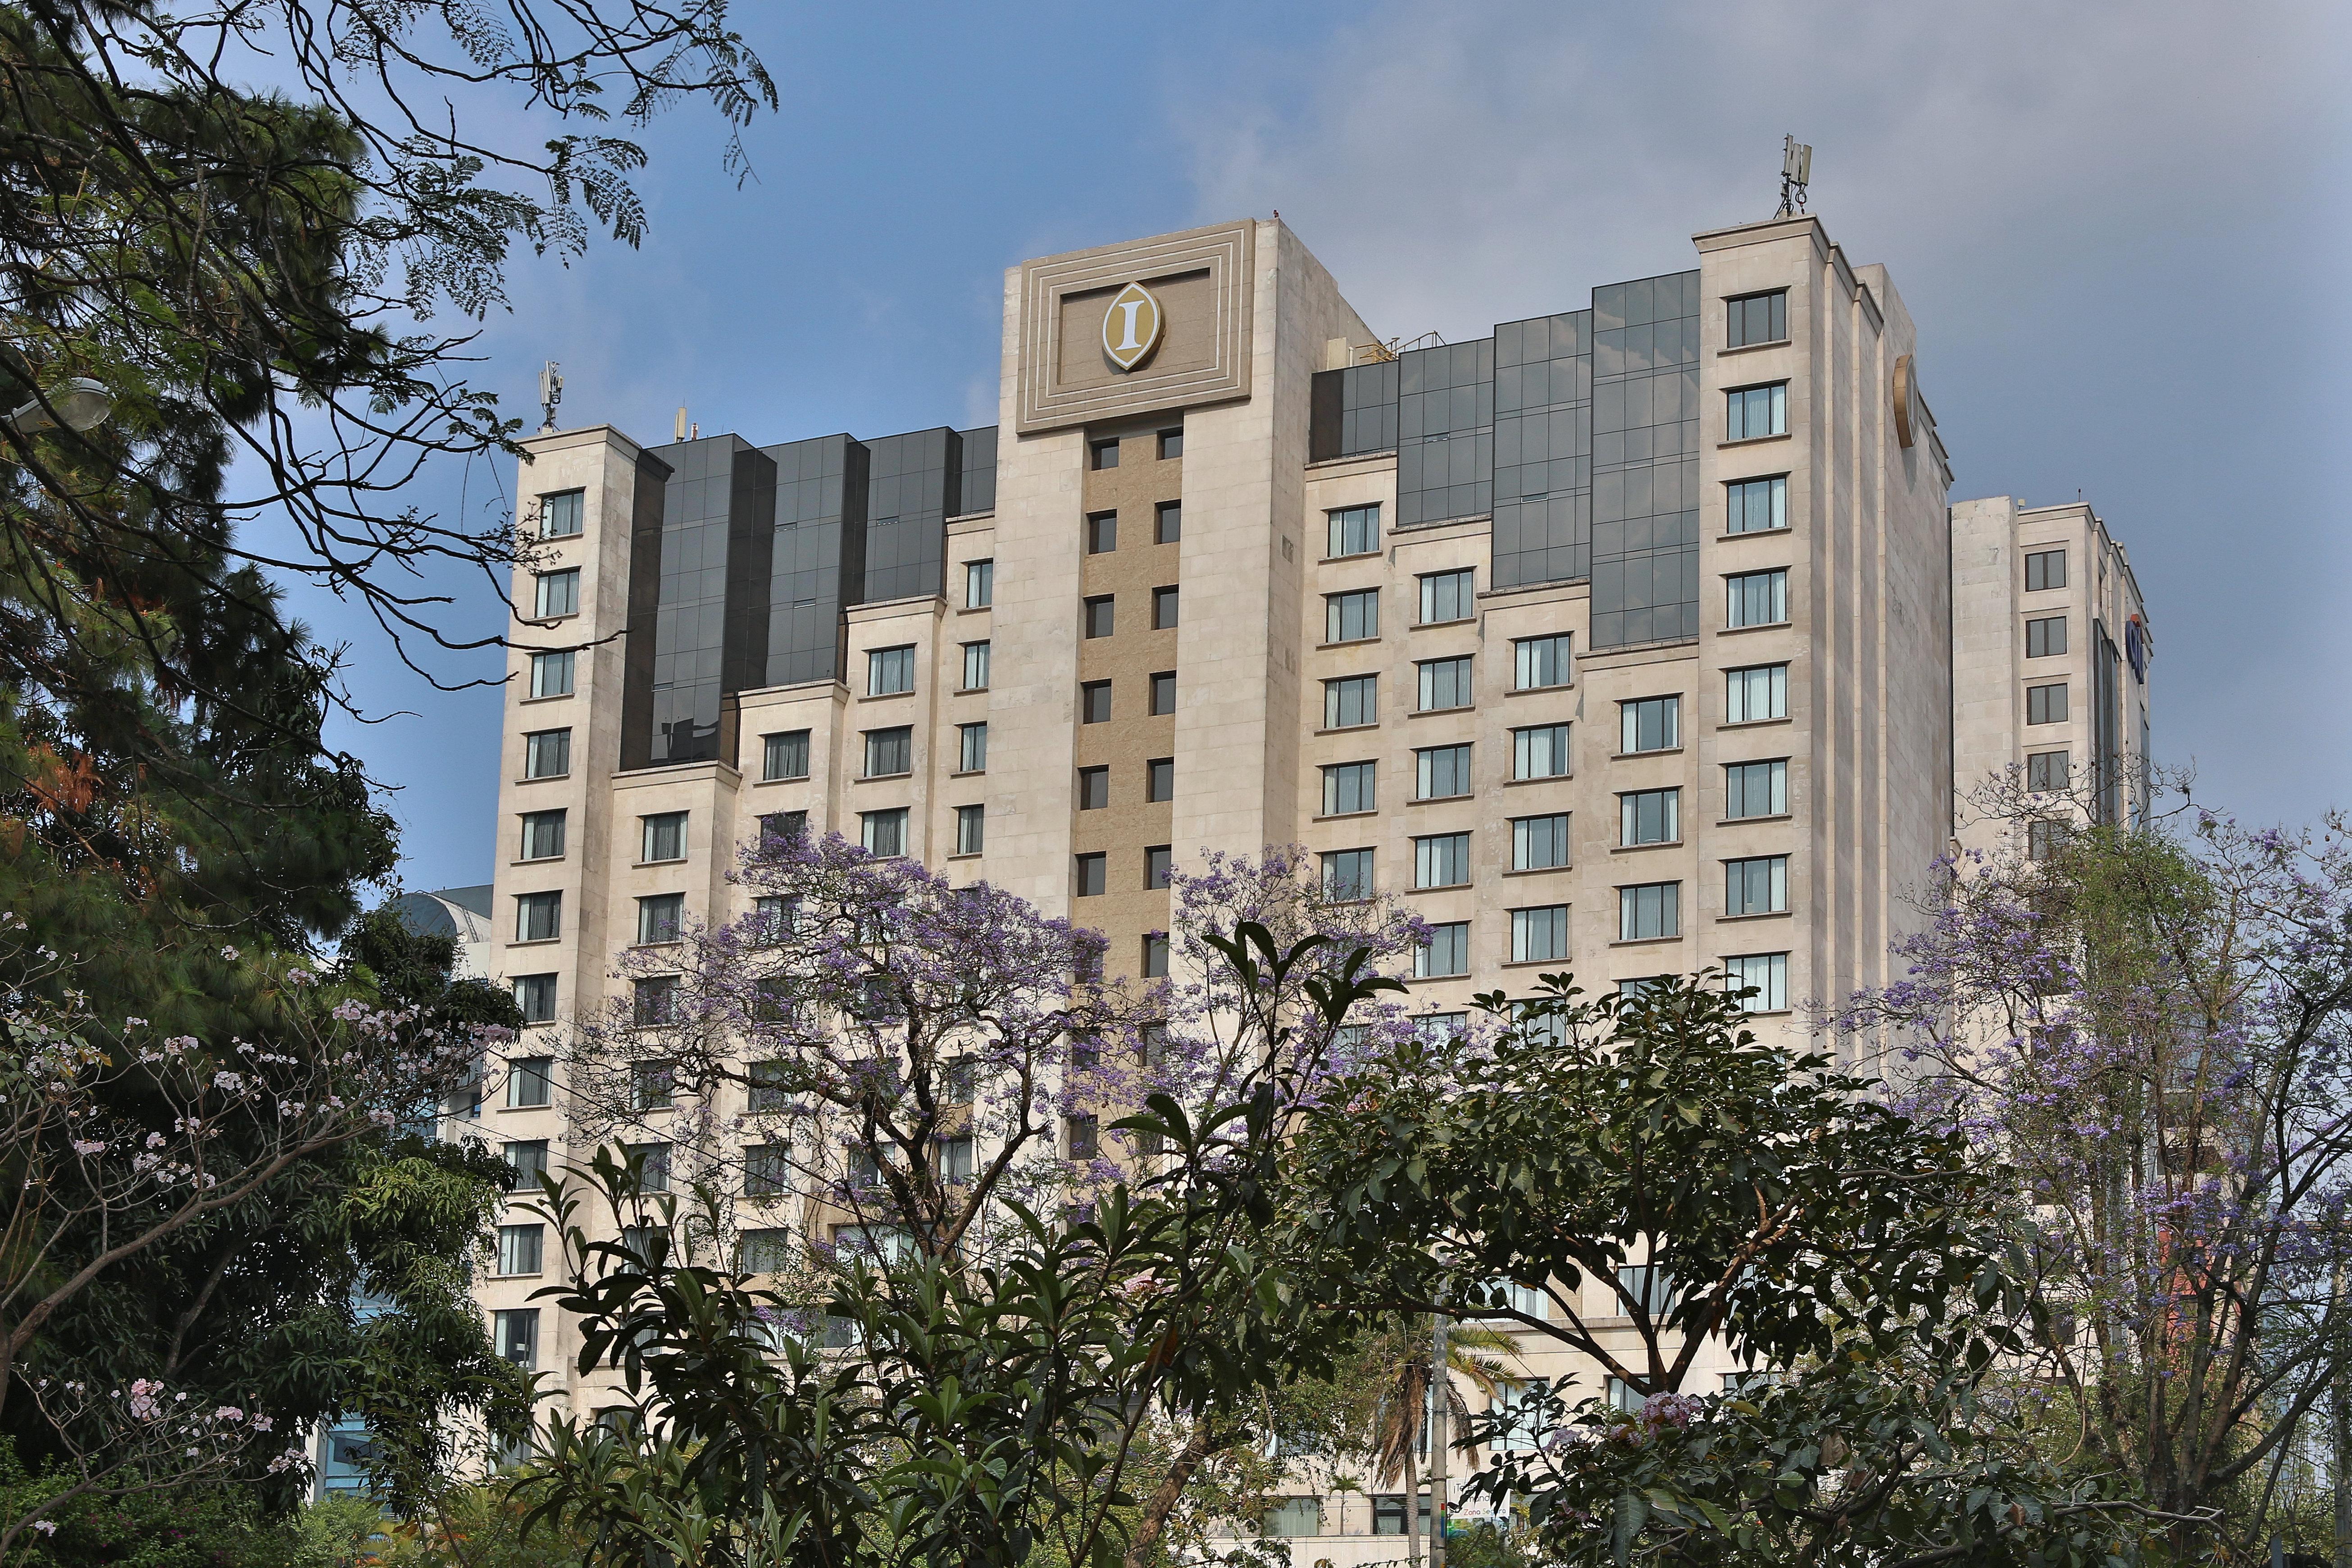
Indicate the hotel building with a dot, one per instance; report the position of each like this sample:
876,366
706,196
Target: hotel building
1621,640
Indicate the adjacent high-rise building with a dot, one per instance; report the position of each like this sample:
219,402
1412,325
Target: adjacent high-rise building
1621,640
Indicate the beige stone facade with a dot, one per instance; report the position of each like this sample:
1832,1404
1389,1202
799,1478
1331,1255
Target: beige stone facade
1842,671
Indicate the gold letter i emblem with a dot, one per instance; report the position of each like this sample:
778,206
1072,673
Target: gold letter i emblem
1131,327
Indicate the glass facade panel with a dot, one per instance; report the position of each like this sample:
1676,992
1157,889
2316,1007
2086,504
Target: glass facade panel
1445,432
1645,460
1543,449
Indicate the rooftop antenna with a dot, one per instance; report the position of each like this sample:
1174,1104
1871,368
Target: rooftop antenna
1796,171
551,392
681,424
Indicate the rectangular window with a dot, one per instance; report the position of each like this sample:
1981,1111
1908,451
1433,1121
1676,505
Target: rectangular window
971,829
2044,839
2046,770
1155,955
776,918
1352,617
1752,412
1444,683
1082,1135
1759,692
767,1086
1766,974
766,1171
975,667
526,1163
779,829
1094,788
1103,453
662,836
979,585
763,1251
1756,598
1649,816
542,835
651,1160
2045,704
1446,953
561,516
1539,662
1755,789
534,994
889,753
1356,530
539,917
550,675
1650,1287
652,1086
1759,886
1347,875
1164,609
1100,615
1171,444
547,754
1163,692
1160,779
1094,702
1650,724
1755,506
1442,772
2045,637
1092,875
883,833
1539,843
889,670
971,748
559,593
1352,700
530,1082
1540,936
520,1246
1292,1518
785,756
660,918
1539,752
1448,597
955,1159
1347,788
1651,911
516,1336
1102,532
1158,865
2045,569
1168,522
1441,860
1755,319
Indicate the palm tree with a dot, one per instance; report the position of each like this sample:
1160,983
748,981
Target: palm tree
1401,1399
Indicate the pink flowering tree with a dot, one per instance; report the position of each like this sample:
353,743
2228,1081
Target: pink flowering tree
119,1140
2147,1033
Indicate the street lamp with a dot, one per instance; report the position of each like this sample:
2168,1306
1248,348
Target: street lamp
82,403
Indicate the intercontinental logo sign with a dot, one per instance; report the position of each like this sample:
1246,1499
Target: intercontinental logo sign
1130,328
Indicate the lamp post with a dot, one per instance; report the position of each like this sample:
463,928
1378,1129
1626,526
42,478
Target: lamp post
79,403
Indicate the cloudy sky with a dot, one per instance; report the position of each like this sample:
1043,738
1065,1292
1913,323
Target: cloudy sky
2121,228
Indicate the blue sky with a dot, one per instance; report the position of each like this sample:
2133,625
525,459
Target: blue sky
2122,230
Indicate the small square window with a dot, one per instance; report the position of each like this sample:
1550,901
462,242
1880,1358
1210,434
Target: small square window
652,1002
542,835
1103,453
652,1086
889,753
1348,788
530,1080
1094,788
1441,860
651,1160
1092,875
1445,953
1650,724
562,515
1155,956
1756,693
889,670
1444,683
1094,702
662,836
2044,840
1755,506
1448,597
1756,598
1539,843
1352,617
785,755
1759,886
1171,444
2045,569
1083,1136
1442,772
766,1171
559,593
779,829
1755,789
1766,974
1102,532
547,754
1169,526
1351,701
979,585
884,832
1163,691
1649,912
2045,704
520,1246
1158,865
1347,875
534,996
2046,770
1160,779
550,675
1540,662
1355,530
971,829
1164,609
955,1159
1100,615
526,1163
1649,816
971,748
539,917
1754,412
516,1336
2045,637
1539,752
660,919
1755,319
1540,935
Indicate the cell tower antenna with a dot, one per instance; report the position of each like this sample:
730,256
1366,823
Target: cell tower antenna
551,392
1796,173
